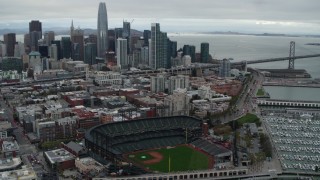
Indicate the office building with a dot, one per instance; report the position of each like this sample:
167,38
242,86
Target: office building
35,25
48,37
59,51
186,50
90,53
158,48
35,62
224,70
10,41
146,37
53,52
3,49
117,35
144,55
112,42
59,159
102,28
169,53
35,36
193,53
43,50
178,82
126,34
12,63
204,53
92,38
177,103
158,83
77,40
173,48
45,63
65,47
35,32
18,50
122,55
27,42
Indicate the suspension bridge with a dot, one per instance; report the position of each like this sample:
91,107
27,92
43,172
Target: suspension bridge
292,57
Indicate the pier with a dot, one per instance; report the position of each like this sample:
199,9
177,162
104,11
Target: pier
288,103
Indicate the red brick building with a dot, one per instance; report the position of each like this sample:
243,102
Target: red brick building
86,119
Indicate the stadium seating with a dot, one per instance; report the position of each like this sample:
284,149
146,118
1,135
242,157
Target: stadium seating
134,135
208,147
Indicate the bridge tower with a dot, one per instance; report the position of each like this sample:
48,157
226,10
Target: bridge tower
292,54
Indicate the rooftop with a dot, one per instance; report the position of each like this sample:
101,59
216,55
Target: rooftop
74,146
10,146
4,125
9,163
89,161
59,155
24,173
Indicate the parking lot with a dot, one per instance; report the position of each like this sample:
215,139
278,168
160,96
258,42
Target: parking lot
296,142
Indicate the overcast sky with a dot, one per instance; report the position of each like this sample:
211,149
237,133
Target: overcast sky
271,16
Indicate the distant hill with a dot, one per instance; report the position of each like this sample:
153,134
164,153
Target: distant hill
62,31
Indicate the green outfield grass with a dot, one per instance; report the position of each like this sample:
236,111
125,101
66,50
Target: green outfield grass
182,158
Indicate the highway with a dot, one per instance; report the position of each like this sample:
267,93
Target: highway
34,82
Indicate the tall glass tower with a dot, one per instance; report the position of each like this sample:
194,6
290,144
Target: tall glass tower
102,30
158,54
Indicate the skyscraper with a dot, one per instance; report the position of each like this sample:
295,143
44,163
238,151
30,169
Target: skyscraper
92,38
145,55
10,41
90,53
186,50
193,54
77,40
204,53
146,37
27,43
126,34
102,30
158,54
43,50
48,37
224,70
35,26
122,55
19,50
171,52
35,36
35,32
53,52
58,44
66,47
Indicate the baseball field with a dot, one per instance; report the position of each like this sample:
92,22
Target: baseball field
172,159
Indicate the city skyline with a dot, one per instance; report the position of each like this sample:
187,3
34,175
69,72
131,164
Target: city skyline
249,16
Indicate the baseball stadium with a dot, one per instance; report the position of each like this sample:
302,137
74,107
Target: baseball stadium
155,145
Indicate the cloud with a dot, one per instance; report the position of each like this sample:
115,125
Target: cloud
293,13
